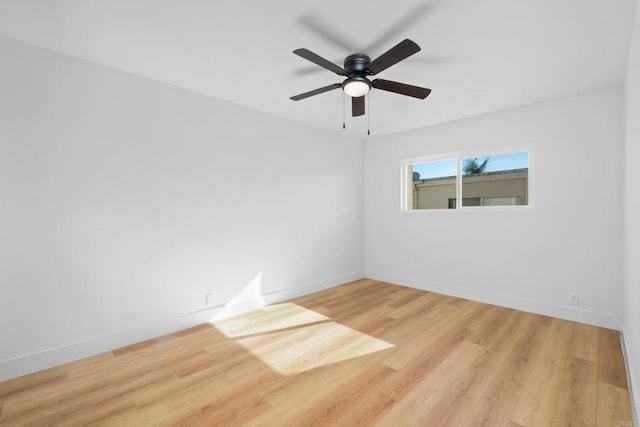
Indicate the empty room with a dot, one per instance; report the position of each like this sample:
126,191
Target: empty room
413,213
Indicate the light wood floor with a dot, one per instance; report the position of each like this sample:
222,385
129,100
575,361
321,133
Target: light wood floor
365,353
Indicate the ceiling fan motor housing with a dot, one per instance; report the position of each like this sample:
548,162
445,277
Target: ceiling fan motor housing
356,64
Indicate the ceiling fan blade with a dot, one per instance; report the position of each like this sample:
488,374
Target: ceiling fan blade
401,88
357,106
317,59
315,92
401,51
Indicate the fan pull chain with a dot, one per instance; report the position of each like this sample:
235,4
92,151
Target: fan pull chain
369,114
343,108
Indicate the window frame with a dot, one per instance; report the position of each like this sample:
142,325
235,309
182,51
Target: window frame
459,156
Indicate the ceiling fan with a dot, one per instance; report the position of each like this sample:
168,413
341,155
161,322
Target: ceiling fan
358,67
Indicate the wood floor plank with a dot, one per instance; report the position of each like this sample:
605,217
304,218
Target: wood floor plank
238,411
496,403
417,363
128,417
416,305
415,406
611,369
576,400
31,381
418,344
585,345
536,404
454,406
306,392
613,406
77,399
328,408
363,353
486,327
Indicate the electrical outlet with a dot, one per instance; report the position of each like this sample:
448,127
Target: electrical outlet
574,299
208,301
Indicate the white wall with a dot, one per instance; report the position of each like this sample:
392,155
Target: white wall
631,323
124,201
530,259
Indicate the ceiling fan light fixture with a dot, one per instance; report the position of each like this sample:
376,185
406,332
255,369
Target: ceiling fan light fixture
356,86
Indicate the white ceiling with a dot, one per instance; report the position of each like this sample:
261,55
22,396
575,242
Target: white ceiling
477,56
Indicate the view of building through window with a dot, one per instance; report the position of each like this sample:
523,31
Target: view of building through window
496,180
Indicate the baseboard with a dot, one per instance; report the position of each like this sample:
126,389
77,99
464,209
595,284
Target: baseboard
575,314
34,362
321,285
633,393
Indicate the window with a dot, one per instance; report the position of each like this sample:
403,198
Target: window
493,180
432,184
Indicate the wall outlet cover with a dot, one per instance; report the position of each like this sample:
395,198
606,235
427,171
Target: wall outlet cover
209,300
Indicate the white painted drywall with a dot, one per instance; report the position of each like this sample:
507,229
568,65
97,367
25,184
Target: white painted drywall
124,201
631,321
531,259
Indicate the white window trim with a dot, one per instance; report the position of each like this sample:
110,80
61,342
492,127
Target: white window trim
459,156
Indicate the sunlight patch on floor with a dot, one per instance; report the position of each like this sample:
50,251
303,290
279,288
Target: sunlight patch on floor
266,319
312,346
292,339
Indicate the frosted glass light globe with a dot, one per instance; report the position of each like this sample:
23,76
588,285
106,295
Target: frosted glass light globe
356,88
